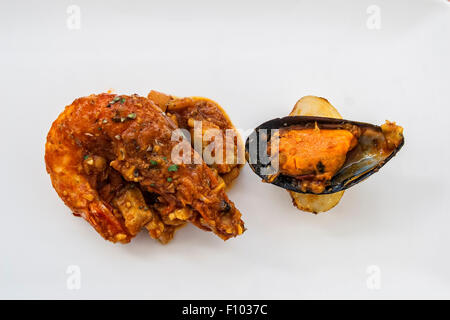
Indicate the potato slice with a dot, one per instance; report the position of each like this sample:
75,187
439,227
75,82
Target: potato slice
316,107
319,107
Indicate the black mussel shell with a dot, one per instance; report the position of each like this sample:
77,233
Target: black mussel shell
361,162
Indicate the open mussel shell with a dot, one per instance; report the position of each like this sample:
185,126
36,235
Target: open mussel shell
365,159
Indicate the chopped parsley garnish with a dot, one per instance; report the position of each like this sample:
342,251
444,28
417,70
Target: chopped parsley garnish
169,179
118,118
114,101
153,162
172,168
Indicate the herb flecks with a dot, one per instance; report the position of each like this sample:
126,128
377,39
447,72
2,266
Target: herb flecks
116,99
153,162
169,179
118,118
172,168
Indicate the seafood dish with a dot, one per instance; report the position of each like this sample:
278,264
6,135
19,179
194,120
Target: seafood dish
111,160
317,155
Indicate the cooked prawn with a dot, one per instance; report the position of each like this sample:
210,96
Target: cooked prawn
109,159
185,111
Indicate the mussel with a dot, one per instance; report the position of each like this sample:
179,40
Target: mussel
317,155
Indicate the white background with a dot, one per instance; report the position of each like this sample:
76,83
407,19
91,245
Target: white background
256,59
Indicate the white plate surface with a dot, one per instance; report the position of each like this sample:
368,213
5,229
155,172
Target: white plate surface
374,60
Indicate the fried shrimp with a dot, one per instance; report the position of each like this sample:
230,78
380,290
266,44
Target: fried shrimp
109,159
